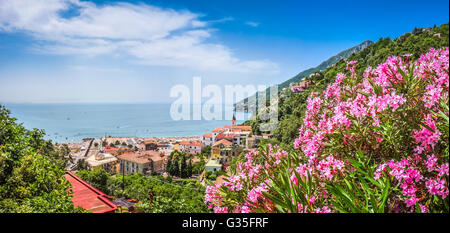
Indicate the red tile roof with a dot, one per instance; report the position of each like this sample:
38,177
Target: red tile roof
218,130
110,149
208,135
238,127
196,143
150,142
224,142
141,157
228,136
88,197
243,127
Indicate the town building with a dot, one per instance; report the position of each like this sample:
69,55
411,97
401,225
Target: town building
150,145
253,142
207,139
216,132
213,166
102,159
301,86
224,151
191,147
143,162
165,148
234,133
110,149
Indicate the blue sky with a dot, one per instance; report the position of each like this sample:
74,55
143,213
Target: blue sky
135,51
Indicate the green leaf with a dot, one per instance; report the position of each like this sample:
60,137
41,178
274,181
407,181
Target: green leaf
385,195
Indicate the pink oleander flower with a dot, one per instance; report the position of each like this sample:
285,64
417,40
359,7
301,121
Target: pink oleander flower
423,208
442,170
324,209
431,162
437,187
376,114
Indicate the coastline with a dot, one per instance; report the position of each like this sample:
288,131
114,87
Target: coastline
70,123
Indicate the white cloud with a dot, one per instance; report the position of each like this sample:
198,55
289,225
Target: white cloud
226,19
148,35
252,24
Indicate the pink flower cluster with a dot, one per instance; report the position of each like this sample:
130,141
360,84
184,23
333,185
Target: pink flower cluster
373,100
366,114
247,185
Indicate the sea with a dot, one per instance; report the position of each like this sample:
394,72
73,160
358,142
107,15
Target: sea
66,123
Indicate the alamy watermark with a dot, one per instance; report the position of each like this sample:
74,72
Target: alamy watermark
189,104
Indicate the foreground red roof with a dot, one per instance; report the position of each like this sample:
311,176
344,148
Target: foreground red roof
88,197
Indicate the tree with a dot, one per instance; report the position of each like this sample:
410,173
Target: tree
206,151
189,168
176,168
117,142
98,177
95,144
183,171
169,165
31,171
81,165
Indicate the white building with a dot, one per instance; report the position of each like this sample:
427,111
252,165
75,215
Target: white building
207,139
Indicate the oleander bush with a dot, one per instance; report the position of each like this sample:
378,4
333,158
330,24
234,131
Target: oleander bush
376,142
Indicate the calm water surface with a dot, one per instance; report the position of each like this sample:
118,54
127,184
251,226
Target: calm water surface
72,122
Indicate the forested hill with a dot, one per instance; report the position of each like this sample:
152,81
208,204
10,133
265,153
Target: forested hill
292,107
332,60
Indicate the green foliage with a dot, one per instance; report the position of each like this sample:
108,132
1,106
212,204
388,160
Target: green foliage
189,168
31,171
98,177
183,167
206,151
81,165
198,167
168,196
359,192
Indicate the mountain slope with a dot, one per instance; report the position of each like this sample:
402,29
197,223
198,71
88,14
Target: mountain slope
330,61
291,109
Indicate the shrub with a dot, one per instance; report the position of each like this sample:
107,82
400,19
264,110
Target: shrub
376,143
